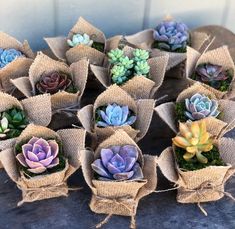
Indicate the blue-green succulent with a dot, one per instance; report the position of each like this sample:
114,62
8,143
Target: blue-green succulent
79,39
140,55
8,55
142,68
115,56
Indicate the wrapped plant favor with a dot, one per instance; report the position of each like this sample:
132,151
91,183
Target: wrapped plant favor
198,164
134,71
214,68
16,115
65,84
169,37
199,103
15,60
115,109
83,40
119,176
41,161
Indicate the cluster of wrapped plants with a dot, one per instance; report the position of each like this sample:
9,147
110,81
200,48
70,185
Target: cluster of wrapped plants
39,154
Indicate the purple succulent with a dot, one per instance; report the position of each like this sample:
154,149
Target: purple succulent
38,155
171,35
118,163
115,115
211,74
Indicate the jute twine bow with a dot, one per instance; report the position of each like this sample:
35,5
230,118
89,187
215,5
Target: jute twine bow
123,201
60,189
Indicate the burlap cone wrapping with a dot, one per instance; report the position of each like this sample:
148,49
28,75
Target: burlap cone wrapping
201,185
118,197
62,51
43,65
143,110
219,56
144,40
16,68
139,87
45,186
216,126
37,110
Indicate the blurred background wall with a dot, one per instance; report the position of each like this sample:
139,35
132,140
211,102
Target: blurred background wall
35,19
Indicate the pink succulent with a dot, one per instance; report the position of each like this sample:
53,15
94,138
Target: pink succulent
38,155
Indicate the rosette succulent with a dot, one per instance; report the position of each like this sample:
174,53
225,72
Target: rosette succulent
39,155
213,75
124,68
200,106
79,39
115,115
171,36
194,138
54,82
118,163
8,55
13,121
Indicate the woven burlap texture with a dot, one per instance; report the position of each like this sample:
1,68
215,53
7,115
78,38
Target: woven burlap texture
43,65
144,40
143,110
216,126
148,87
62,51
201,185
118,197
45,186
219,56
18,67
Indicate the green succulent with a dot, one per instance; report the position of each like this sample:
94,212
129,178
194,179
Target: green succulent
119,74
142,68
115,56
13,121
126,62
140,55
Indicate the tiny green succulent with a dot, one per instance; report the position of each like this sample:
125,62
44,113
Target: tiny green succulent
140,55
142,68
13,121
124,68
115,55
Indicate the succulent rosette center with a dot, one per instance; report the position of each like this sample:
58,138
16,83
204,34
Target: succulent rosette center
38,155
114,115
54,82
200,106
118,163
8,55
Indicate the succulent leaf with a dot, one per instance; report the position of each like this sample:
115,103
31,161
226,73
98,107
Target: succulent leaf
9,55
79,39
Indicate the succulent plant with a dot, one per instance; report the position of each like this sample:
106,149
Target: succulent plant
115,115
140,55
79,39
8,55
13,121
38,155
171,36
126,62
118,163
142,68
54,82
115,55
194,138
4,128
119,74
211,74
200,106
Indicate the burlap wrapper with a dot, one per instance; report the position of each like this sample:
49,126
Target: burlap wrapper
139,87
143,110
144,40
201,185
43,65
45,186
62,51
18,67
37,110
216,126
118,197
219,56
